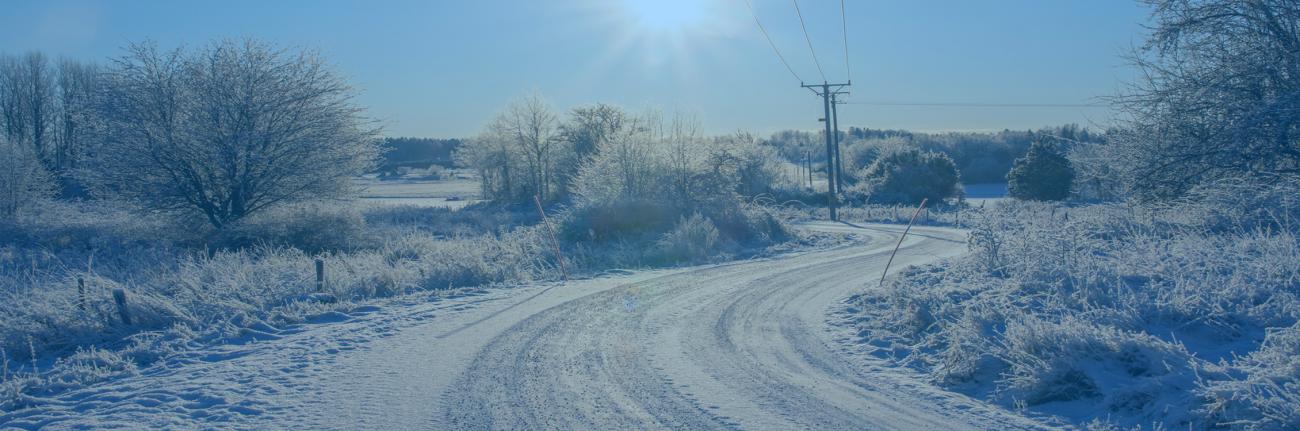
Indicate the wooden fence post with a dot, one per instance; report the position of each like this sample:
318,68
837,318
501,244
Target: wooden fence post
320,275
119,297
81,293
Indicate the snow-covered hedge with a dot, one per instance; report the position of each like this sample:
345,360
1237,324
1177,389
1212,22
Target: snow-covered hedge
1183,314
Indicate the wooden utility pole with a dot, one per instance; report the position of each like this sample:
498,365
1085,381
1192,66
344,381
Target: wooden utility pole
807,160
832,187
835,125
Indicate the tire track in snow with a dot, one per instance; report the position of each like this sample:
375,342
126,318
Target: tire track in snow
742,345
735,346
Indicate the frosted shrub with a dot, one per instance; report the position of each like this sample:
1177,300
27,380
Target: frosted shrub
311,228
1260,391
694,239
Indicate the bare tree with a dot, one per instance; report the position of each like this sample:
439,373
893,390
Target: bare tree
533,126
1219,95
684,151
77,83
27,102
228,130
523,137
40,103
12,115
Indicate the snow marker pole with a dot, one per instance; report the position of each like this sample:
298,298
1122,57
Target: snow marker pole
559,257
81,293
900,242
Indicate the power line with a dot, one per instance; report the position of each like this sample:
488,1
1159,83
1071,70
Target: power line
769,41
844,30
809,39
957,104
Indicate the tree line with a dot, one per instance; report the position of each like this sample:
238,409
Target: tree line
601,152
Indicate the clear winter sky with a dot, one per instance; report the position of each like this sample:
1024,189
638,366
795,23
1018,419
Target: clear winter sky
443,68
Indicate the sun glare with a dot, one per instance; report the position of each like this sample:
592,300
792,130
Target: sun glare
667,15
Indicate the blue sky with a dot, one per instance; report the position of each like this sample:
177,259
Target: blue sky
443,68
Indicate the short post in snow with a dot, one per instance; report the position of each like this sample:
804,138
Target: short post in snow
559,257
900,242
320,275
119,297
81,293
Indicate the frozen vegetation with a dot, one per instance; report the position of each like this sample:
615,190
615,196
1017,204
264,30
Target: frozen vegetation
243,281
1183,314
1144,277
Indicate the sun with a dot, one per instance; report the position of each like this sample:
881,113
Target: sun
664,37
666,16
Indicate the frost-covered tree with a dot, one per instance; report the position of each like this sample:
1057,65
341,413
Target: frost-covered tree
27,102
77,125
584,131
228,130
519,154
23,180
907,175
1043,174
1219,95
626,165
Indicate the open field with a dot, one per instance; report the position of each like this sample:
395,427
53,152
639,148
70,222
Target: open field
450,193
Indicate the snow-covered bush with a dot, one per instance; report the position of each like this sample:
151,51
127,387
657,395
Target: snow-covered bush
313,228
907,175
1177,314
693,239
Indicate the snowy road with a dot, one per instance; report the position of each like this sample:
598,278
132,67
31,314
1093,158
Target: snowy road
745,345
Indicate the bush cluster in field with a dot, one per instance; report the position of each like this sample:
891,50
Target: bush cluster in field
1184,314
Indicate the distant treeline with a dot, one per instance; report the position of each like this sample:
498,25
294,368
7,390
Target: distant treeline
981,157
417,153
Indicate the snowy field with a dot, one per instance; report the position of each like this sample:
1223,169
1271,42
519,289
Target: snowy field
980,195
452,193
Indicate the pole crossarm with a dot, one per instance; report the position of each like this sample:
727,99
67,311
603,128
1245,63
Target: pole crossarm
826,88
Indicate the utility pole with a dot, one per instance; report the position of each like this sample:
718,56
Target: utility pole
832,200
807,162
835,125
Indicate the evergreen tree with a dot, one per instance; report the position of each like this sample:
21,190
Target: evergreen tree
907,175
1043,174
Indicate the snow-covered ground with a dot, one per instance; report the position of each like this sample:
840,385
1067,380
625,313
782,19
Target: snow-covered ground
982,194
453,193
742,345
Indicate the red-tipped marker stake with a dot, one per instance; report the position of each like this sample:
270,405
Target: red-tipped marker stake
900,242
554,242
